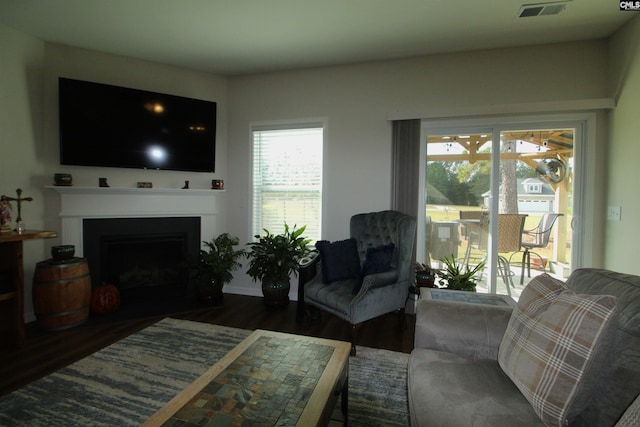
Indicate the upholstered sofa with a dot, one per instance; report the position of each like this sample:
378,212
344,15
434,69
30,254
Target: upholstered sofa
544,362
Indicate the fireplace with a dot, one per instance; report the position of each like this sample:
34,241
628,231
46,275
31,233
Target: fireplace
155,218
145,258
147,267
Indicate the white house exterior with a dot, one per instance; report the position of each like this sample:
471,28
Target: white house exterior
535,196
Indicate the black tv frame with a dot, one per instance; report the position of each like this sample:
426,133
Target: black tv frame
112,126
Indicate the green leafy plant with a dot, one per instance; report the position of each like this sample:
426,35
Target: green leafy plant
219,260
459,277
274,257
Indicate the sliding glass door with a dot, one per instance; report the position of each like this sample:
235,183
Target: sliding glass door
501,196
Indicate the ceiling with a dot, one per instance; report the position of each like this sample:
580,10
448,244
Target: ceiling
233,37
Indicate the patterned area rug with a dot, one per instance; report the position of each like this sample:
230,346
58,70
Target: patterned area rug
127,382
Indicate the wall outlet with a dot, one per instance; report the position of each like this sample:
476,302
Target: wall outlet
614,213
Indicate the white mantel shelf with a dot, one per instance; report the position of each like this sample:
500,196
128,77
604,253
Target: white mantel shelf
68,189
63,189
79,203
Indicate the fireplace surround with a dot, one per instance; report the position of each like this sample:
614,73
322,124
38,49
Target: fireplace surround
127,220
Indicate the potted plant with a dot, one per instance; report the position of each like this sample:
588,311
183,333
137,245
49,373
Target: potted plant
214,267
425,276
458,277
272,260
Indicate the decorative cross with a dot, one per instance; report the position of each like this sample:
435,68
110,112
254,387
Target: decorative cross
18,201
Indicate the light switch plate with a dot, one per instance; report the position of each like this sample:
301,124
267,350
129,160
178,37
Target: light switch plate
614,213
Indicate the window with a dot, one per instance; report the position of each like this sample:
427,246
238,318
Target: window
534,188
287,178
493,164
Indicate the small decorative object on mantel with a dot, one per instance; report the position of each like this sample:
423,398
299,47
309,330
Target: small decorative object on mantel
186,185
102,182
217,184
5,215
145,184
62,179
20,227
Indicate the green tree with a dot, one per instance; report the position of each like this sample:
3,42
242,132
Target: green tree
464,183
438,183
445,187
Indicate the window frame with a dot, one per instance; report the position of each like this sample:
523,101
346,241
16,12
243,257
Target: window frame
584,203
284,125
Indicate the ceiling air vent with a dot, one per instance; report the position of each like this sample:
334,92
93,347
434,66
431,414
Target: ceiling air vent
542,9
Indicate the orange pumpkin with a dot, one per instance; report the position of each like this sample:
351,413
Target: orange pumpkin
105,299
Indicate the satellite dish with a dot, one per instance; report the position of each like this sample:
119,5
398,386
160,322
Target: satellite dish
552,169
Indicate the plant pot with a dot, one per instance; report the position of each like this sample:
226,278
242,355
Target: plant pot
466,287
425,280
276,294
209,290
539,263
62,252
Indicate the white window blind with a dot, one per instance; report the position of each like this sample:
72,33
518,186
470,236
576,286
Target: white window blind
287,179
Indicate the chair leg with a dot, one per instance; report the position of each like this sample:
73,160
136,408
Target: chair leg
526,261
505,272
354,337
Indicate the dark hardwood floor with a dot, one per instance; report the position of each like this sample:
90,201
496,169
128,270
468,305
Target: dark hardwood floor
45,352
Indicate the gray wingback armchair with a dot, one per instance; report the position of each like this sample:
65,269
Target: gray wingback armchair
380,292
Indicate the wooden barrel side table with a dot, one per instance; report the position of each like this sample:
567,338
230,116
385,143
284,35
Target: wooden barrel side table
62,293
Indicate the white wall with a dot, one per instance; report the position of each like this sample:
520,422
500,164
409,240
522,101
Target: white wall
29,127
21,142
65,61
624,150
357,100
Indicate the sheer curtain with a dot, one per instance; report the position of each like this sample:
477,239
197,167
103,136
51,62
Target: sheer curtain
405,171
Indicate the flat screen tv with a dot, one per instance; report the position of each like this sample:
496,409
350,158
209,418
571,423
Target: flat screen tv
104,125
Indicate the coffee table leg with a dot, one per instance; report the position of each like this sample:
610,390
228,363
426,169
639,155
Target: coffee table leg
345,401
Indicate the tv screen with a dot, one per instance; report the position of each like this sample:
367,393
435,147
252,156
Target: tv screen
104,125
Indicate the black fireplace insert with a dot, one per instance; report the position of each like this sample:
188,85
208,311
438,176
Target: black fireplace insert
147,259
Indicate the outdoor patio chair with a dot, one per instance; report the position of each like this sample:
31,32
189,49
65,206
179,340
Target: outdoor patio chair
510,228
536,238
474,225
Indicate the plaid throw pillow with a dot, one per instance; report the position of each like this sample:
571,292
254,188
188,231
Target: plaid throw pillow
555,346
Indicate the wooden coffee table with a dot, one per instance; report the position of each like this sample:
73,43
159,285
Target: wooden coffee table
269,378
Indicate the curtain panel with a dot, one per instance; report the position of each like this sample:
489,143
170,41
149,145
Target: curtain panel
405,170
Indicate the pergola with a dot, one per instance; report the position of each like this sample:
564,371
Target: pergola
552,144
